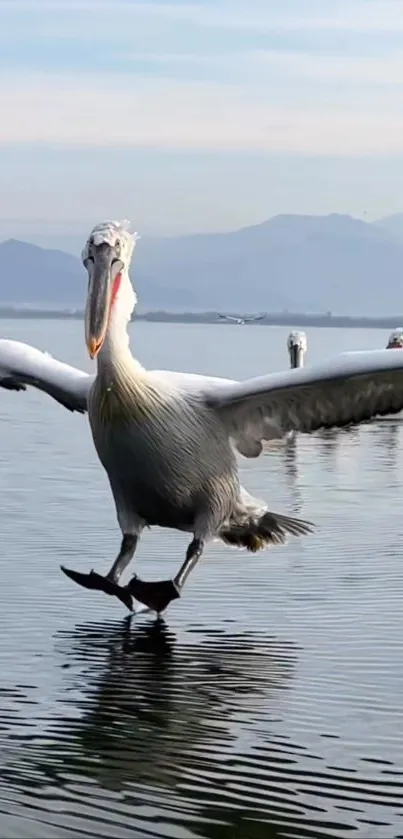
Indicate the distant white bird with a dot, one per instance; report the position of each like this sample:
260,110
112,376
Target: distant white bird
395,340
297,346
167,440
241,321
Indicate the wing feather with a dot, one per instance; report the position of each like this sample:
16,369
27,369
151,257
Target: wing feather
22,365
350,389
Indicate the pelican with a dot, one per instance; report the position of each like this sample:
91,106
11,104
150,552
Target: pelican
168,440
395,340
297,346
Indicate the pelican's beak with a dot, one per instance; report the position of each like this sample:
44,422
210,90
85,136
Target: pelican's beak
104,272
296,355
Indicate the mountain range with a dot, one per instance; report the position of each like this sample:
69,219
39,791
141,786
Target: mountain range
290,262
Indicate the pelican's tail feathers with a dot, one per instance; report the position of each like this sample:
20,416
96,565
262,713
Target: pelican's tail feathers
254,533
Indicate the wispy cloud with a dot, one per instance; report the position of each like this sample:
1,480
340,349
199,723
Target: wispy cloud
319,79
353,15
261,67
322,69
164,114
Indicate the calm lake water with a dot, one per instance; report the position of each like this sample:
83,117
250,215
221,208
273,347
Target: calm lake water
270,701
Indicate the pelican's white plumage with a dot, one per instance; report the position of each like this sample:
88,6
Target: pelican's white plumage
351,388
22,365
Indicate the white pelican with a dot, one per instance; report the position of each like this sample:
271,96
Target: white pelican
297,346
167,439
395,340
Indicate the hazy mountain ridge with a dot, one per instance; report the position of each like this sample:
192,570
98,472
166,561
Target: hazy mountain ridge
393,225
306,263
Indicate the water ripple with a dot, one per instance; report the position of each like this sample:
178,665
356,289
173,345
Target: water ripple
269,704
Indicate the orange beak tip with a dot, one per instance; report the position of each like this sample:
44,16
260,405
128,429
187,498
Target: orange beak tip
94,347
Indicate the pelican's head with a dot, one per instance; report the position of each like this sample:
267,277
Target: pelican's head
395,340
107,256
297,346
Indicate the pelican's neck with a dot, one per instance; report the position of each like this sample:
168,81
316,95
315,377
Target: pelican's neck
296,357
115,358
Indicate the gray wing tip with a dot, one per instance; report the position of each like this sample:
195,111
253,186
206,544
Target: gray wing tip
10,383
15,384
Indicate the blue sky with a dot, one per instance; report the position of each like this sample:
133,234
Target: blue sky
195,116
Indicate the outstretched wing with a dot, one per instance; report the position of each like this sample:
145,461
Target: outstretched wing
352,388
22,365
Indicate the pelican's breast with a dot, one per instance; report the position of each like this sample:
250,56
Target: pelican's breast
161,450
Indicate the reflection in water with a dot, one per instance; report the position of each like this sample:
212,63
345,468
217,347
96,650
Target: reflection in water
290,458
330,448
325,446
327,442
163,703
330,441
152,736
291,473
150,725
387,435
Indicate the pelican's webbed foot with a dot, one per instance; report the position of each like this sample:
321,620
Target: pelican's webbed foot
156,595
109,583
99,583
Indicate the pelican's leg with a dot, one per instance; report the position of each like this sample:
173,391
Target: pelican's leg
128,546
109,583
193,555
157,596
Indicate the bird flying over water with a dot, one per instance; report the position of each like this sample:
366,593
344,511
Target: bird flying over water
168,440
241,321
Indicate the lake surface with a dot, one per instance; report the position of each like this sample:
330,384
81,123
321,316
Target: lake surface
270,701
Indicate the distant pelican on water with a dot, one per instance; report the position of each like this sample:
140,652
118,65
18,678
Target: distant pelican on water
168,440
395,340
297,346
